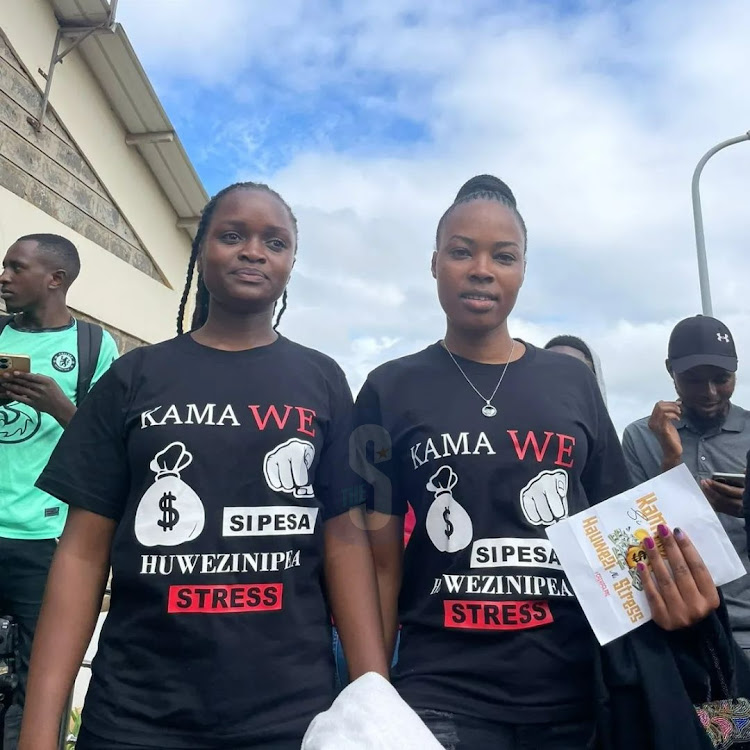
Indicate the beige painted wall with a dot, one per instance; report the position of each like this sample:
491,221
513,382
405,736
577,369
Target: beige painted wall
108,288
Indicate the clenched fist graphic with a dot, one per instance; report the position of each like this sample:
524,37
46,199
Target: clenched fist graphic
286,467
544,499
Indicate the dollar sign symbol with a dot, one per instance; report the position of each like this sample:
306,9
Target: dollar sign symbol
171,516
448,524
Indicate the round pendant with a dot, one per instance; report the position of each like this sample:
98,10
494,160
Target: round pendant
489,410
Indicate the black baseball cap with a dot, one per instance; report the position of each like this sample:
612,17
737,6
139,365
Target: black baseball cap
701,340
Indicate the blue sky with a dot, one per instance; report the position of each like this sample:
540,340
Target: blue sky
354,121
367,116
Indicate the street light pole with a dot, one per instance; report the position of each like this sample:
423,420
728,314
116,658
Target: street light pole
700,241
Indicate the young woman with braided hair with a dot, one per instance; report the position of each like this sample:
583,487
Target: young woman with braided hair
202,296
211,470
491,439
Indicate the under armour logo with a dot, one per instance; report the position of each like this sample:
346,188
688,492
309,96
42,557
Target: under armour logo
723,337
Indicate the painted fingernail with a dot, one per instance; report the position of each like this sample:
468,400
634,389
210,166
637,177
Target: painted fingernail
663,531
649,542
641,567
679,534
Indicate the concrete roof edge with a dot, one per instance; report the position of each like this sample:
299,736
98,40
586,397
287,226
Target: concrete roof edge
135,86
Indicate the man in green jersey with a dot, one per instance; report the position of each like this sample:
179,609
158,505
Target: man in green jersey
35,408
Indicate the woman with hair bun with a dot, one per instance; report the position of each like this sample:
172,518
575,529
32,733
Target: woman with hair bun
491,440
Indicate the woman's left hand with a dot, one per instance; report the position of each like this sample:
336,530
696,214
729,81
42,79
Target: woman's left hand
685,596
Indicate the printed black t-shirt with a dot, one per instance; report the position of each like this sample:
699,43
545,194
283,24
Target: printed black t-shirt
220,469
490,625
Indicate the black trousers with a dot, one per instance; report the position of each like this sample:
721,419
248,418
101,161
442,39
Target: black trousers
24,565
89,741
455,732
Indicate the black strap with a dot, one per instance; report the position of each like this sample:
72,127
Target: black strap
89,346
4,320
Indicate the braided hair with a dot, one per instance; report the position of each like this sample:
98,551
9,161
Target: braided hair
489,188
202,297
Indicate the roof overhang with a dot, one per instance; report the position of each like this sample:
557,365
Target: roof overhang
115,65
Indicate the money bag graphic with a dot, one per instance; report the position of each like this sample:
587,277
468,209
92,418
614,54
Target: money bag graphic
170,513
448,524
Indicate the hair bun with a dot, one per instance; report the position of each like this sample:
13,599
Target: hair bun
486,183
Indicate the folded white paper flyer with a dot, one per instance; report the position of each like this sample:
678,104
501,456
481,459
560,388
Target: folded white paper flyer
600,548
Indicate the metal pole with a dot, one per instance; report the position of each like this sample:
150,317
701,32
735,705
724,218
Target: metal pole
112,13
700,241
48,86
81,33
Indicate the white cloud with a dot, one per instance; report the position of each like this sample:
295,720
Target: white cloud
596,120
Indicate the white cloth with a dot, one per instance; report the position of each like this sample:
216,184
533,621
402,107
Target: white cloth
369,715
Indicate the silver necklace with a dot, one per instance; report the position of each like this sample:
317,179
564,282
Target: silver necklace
488,409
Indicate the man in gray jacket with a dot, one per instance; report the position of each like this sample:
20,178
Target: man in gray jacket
703,429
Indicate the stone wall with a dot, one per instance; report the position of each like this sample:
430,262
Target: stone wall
125,342
49,171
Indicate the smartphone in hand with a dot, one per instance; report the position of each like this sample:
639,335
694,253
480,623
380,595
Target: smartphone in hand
14,363
733,480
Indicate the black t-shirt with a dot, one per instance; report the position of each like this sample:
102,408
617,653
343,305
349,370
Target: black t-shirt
490,625
220,469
